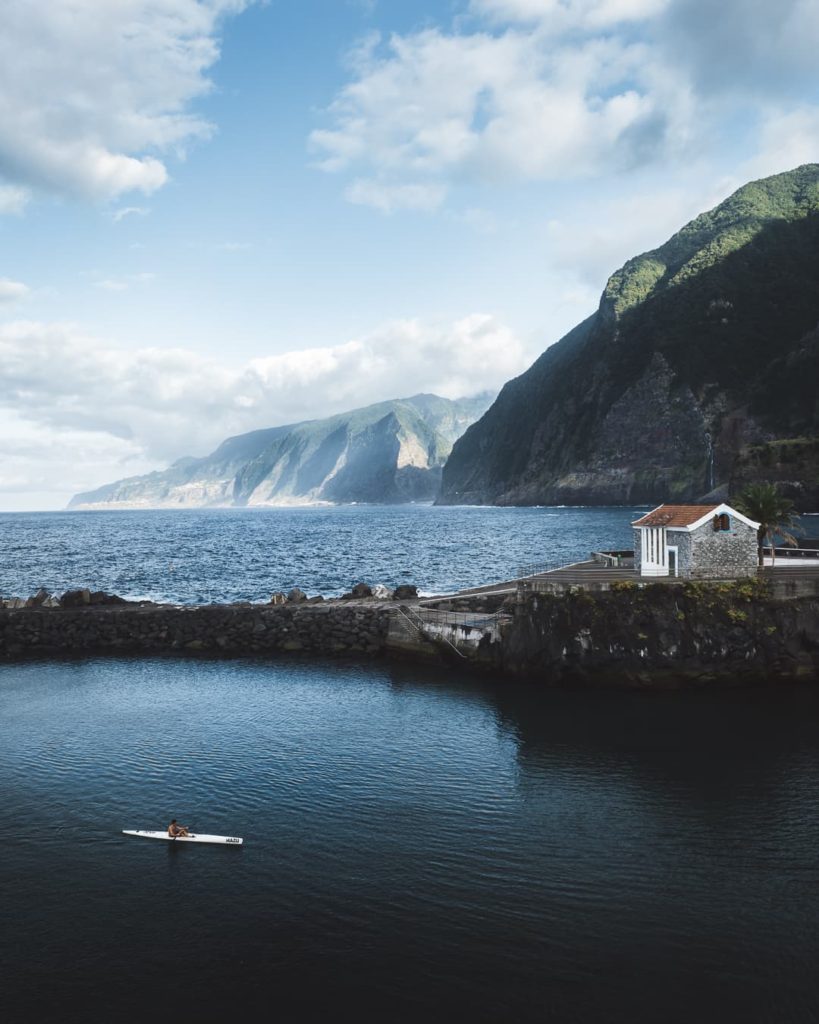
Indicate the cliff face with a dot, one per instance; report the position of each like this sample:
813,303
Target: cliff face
390,452
702,356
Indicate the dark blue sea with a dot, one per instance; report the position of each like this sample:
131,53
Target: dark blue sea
419,845
208,555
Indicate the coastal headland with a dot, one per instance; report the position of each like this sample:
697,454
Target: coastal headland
662,635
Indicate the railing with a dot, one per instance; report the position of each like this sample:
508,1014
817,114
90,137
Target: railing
539,568
417,626
787,553
470,620
614,559
563,584
419,621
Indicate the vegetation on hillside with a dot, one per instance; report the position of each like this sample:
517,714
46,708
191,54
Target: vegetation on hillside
731,305
388,452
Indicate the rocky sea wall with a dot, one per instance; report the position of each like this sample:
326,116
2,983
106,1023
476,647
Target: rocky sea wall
658,636
233,630
697,634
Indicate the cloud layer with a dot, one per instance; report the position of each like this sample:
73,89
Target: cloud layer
152,406
557,89
91,92
11,291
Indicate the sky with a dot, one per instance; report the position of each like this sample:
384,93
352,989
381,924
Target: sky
220,215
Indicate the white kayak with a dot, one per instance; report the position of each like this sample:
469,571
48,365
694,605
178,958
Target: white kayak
192,838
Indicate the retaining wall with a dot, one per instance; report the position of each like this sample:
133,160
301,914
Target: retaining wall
664,636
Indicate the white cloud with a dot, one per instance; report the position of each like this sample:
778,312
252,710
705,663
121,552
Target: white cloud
13,199
608,232
484,222
90,91
539,90
567,14
41,467
121,284
129,211
154,405
747,50
786,140
431,108
389,198
11,291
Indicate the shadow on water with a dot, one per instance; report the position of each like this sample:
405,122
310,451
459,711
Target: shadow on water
417,844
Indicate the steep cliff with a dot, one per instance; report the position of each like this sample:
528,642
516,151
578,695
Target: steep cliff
389,452
702,355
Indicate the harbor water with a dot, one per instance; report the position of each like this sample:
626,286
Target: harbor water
417,847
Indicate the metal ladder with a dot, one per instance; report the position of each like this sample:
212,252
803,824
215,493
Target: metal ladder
418,628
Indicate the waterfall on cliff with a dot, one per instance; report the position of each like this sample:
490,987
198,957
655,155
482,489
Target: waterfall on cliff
710,482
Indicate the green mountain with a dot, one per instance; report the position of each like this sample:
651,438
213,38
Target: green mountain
698,372
386,453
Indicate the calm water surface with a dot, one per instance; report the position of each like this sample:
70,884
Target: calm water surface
417,847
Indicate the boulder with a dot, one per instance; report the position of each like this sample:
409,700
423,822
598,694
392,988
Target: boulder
362,590
278,598
100,597
405,592
38,599
75,598
381,592
296,596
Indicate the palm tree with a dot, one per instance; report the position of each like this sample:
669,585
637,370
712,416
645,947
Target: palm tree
764,504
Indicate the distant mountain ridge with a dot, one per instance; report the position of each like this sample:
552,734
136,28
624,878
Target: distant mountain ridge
389,452
698,372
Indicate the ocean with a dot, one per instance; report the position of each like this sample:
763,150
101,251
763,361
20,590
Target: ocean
212,555
419,844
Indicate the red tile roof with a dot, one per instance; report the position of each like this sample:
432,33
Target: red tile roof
675,515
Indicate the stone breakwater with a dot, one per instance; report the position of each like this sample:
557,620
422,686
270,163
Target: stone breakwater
326,629
656,636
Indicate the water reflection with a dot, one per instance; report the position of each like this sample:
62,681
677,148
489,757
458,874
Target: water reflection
417,844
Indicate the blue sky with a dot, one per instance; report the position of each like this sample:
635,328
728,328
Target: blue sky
217,215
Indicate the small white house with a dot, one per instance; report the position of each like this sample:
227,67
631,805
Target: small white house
696,541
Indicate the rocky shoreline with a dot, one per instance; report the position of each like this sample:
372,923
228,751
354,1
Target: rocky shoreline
658,636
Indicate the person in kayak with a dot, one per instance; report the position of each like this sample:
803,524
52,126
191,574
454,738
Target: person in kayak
175,830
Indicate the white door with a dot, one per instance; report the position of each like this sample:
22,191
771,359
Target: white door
653,552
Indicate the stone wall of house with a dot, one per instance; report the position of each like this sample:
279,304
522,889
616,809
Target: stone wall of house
717,554
638,549
710,554
681,539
